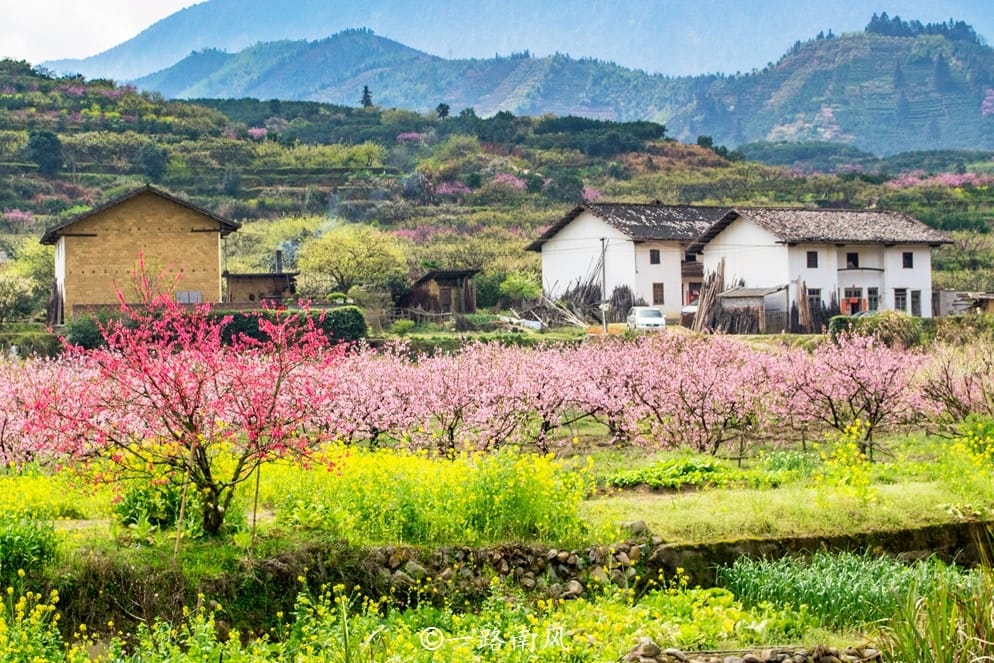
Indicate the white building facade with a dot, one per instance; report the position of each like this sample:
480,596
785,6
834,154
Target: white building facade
642,247
863,260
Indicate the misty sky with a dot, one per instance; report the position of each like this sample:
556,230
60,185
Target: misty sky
706,35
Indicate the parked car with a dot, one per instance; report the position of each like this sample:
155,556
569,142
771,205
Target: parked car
645,318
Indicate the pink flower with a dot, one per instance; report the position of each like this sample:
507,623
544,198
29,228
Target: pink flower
987,106
509,181
452,189
590,193
16,215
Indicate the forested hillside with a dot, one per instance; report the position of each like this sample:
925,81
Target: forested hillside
894,87
437,189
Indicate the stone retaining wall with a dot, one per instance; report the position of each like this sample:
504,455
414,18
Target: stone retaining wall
568,573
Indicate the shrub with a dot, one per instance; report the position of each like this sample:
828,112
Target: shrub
402,327
892,328
26,546
676,473
157,505
344,323
84,330
42,344
838,324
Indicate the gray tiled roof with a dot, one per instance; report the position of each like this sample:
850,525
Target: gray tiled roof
644,222
838,226
699,224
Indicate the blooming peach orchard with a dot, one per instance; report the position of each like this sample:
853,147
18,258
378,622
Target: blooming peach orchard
166,396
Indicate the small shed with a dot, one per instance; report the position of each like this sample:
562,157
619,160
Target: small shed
983,302
444,291
261,288
763,302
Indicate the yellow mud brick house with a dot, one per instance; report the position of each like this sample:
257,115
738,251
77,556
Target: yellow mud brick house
97,253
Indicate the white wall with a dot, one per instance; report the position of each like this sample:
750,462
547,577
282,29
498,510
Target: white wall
751,254
574,253
918,277
60,266
667,272
823,277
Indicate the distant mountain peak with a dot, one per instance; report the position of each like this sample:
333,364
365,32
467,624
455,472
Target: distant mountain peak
872,91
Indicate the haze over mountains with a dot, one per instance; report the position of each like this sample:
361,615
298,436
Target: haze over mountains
884,92
674,37
880,93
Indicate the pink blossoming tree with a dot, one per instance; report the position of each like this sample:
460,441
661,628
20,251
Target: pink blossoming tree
165,396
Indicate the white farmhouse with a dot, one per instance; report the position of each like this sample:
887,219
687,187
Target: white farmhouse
641,246
866,260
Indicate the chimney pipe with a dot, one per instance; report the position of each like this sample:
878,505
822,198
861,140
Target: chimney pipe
279,262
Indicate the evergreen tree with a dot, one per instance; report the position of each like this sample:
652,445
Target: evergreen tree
45,149
367,97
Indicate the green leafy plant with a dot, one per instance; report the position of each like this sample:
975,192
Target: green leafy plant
26,546
948,621
687,471
843,590
402,327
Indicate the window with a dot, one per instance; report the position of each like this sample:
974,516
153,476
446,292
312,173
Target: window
852,260
916,303
901,299
657,294
872,299
189,297
812,260
653,256
908,260
814,299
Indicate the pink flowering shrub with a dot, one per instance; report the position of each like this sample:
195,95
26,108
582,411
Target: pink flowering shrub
71,89
509,181
421,234
987,105
590,193
410,137
169,394
856,379
17,216
257,133
946,180
452,189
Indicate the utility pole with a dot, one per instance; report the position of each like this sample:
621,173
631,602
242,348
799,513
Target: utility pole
604,285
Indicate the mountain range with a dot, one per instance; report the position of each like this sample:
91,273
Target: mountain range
880,93
901,86
673,37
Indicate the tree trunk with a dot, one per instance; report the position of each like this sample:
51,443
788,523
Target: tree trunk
213,513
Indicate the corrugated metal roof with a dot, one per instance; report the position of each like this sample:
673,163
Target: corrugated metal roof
740,292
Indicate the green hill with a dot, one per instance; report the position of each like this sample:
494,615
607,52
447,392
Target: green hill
879,93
